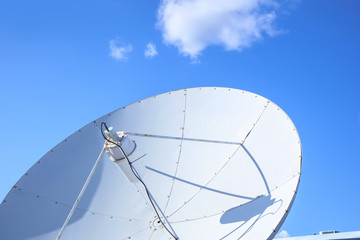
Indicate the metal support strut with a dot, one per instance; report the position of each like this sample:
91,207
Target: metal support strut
81,193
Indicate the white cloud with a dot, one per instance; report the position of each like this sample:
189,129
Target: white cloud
119,50
192,25
282,234
150,50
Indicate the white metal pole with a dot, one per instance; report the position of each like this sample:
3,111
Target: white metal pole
81,193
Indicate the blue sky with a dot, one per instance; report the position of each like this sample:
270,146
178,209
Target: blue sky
66,63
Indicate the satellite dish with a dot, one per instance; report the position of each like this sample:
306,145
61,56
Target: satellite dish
208,163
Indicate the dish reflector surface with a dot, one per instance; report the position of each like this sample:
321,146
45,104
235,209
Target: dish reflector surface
221,164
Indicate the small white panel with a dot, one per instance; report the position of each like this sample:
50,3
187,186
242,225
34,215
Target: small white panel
221,113
198,165
162,115
275,135
26,215
162,155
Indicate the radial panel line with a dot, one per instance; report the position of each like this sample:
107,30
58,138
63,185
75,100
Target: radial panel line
179,156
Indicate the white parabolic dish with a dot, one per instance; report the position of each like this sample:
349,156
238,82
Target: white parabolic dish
221,164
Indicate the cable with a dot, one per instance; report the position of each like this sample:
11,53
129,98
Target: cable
133,171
